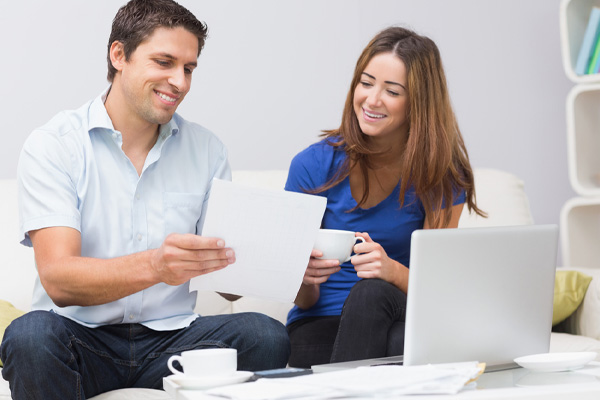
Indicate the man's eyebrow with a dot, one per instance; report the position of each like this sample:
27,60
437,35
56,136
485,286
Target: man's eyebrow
388,82
172,57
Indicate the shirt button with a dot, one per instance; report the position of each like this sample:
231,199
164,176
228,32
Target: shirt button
137,196
131,316
139,237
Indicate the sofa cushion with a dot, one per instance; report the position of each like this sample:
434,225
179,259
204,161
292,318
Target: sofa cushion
274,309
585,320
267,179
17,268
566,343
569,290
120,394
502,196
211,303
4,389
7,313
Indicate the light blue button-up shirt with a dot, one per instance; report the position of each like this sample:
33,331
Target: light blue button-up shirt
72,172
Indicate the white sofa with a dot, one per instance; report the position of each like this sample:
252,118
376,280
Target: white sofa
500,194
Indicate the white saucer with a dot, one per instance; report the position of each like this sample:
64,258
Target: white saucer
554,362
210,381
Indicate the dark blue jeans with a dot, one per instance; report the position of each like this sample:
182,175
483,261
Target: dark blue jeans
47,356
371,325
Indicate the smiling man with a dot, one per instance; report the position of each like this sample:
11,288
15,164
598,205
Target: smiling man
112,199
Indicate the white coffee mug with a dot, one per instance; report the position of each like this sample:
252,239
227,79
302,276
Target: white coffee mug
336,244
205,362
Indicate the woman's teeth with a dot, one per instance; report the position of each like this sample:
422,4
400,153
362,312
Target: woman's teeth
373,115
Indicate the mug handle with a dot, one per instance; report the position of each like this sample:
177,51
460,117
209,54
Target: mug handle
172,368
362,239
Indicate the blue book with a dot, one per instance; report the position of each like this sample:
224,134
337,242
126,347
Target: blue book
589,40
595,60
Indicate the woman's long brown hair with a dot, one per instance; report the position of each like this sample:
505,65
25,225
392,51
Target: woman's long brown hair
435,160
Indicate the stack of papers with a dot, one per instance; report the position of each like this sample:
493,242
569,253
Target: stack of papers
380,381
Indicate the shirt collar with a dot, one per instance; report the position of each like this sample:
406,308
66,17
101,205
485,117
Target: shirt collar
98,118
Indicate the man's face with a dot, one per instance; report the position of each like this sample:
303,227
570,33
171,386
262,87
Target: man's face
158,74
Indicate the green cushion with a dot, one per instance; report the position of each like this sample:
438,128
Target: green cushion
7,313
569,290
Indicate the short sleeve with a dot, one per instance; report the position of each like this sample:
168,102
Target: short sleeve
47,194
460,197
311,167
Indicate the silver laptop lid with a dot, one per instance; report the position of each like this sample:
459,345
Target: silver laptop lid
480,294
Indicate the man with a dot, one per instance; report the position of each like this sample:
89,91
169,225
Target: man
112,200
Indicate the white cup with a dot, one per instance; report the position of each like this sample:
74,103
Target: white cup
205,362
336,244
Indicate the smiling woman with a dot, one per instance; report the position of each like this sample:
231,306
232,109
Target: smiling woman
381,101
397,163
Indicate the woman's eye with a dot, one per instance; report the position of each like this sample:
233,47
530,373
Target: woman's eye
391,92
366,84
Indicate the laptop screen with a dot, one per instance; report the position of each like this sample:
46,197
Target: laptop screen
480,294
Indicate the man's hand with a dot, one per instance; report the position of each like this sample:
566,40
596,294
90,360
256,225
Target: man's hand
70,279
184,256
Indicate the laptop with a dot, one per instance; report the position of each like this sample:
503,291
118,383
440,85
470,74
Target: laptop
476,294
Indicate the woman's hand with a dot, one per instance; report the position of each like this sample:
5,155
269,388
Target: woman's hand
317,272
371,261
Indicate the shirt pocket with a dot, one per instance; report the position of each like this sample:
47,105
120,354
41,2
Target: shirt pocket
182,211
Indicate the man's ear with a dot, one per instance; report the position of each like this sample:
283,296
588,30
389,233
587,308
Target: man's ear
117,55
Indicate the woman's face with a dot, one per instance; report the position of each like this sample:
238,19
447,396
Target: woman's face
381,98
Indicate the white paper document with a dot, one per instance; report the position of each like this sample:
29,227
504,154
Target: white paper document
272,234
364,382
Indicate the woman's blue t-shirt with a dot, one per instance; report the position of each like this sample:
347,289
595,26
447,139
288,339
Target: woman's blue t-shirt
387,223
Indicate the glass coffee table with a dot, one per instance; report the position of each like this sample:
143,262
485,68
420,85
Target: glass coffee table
513,384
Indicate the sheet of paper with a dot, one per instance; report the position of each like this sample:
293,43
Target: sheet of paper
364,382
272,234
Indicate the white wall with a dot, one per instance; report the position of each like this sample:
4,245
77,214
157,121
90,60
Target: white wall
276,72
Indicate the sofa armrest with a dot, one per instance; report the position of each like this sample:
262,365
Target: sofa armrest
586,319
211,303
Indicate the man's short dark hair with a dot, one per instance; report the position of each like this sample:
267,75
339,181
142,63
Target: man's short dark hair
137,20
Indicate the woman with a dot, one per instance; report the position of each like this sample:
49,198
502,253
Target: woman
396,163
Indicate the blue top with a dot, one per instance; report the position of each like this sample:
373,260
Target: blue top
72,172
387,223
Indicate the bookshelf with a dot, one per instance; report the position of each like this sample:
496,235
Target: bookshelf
583,138
574,15
580,216
580,232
